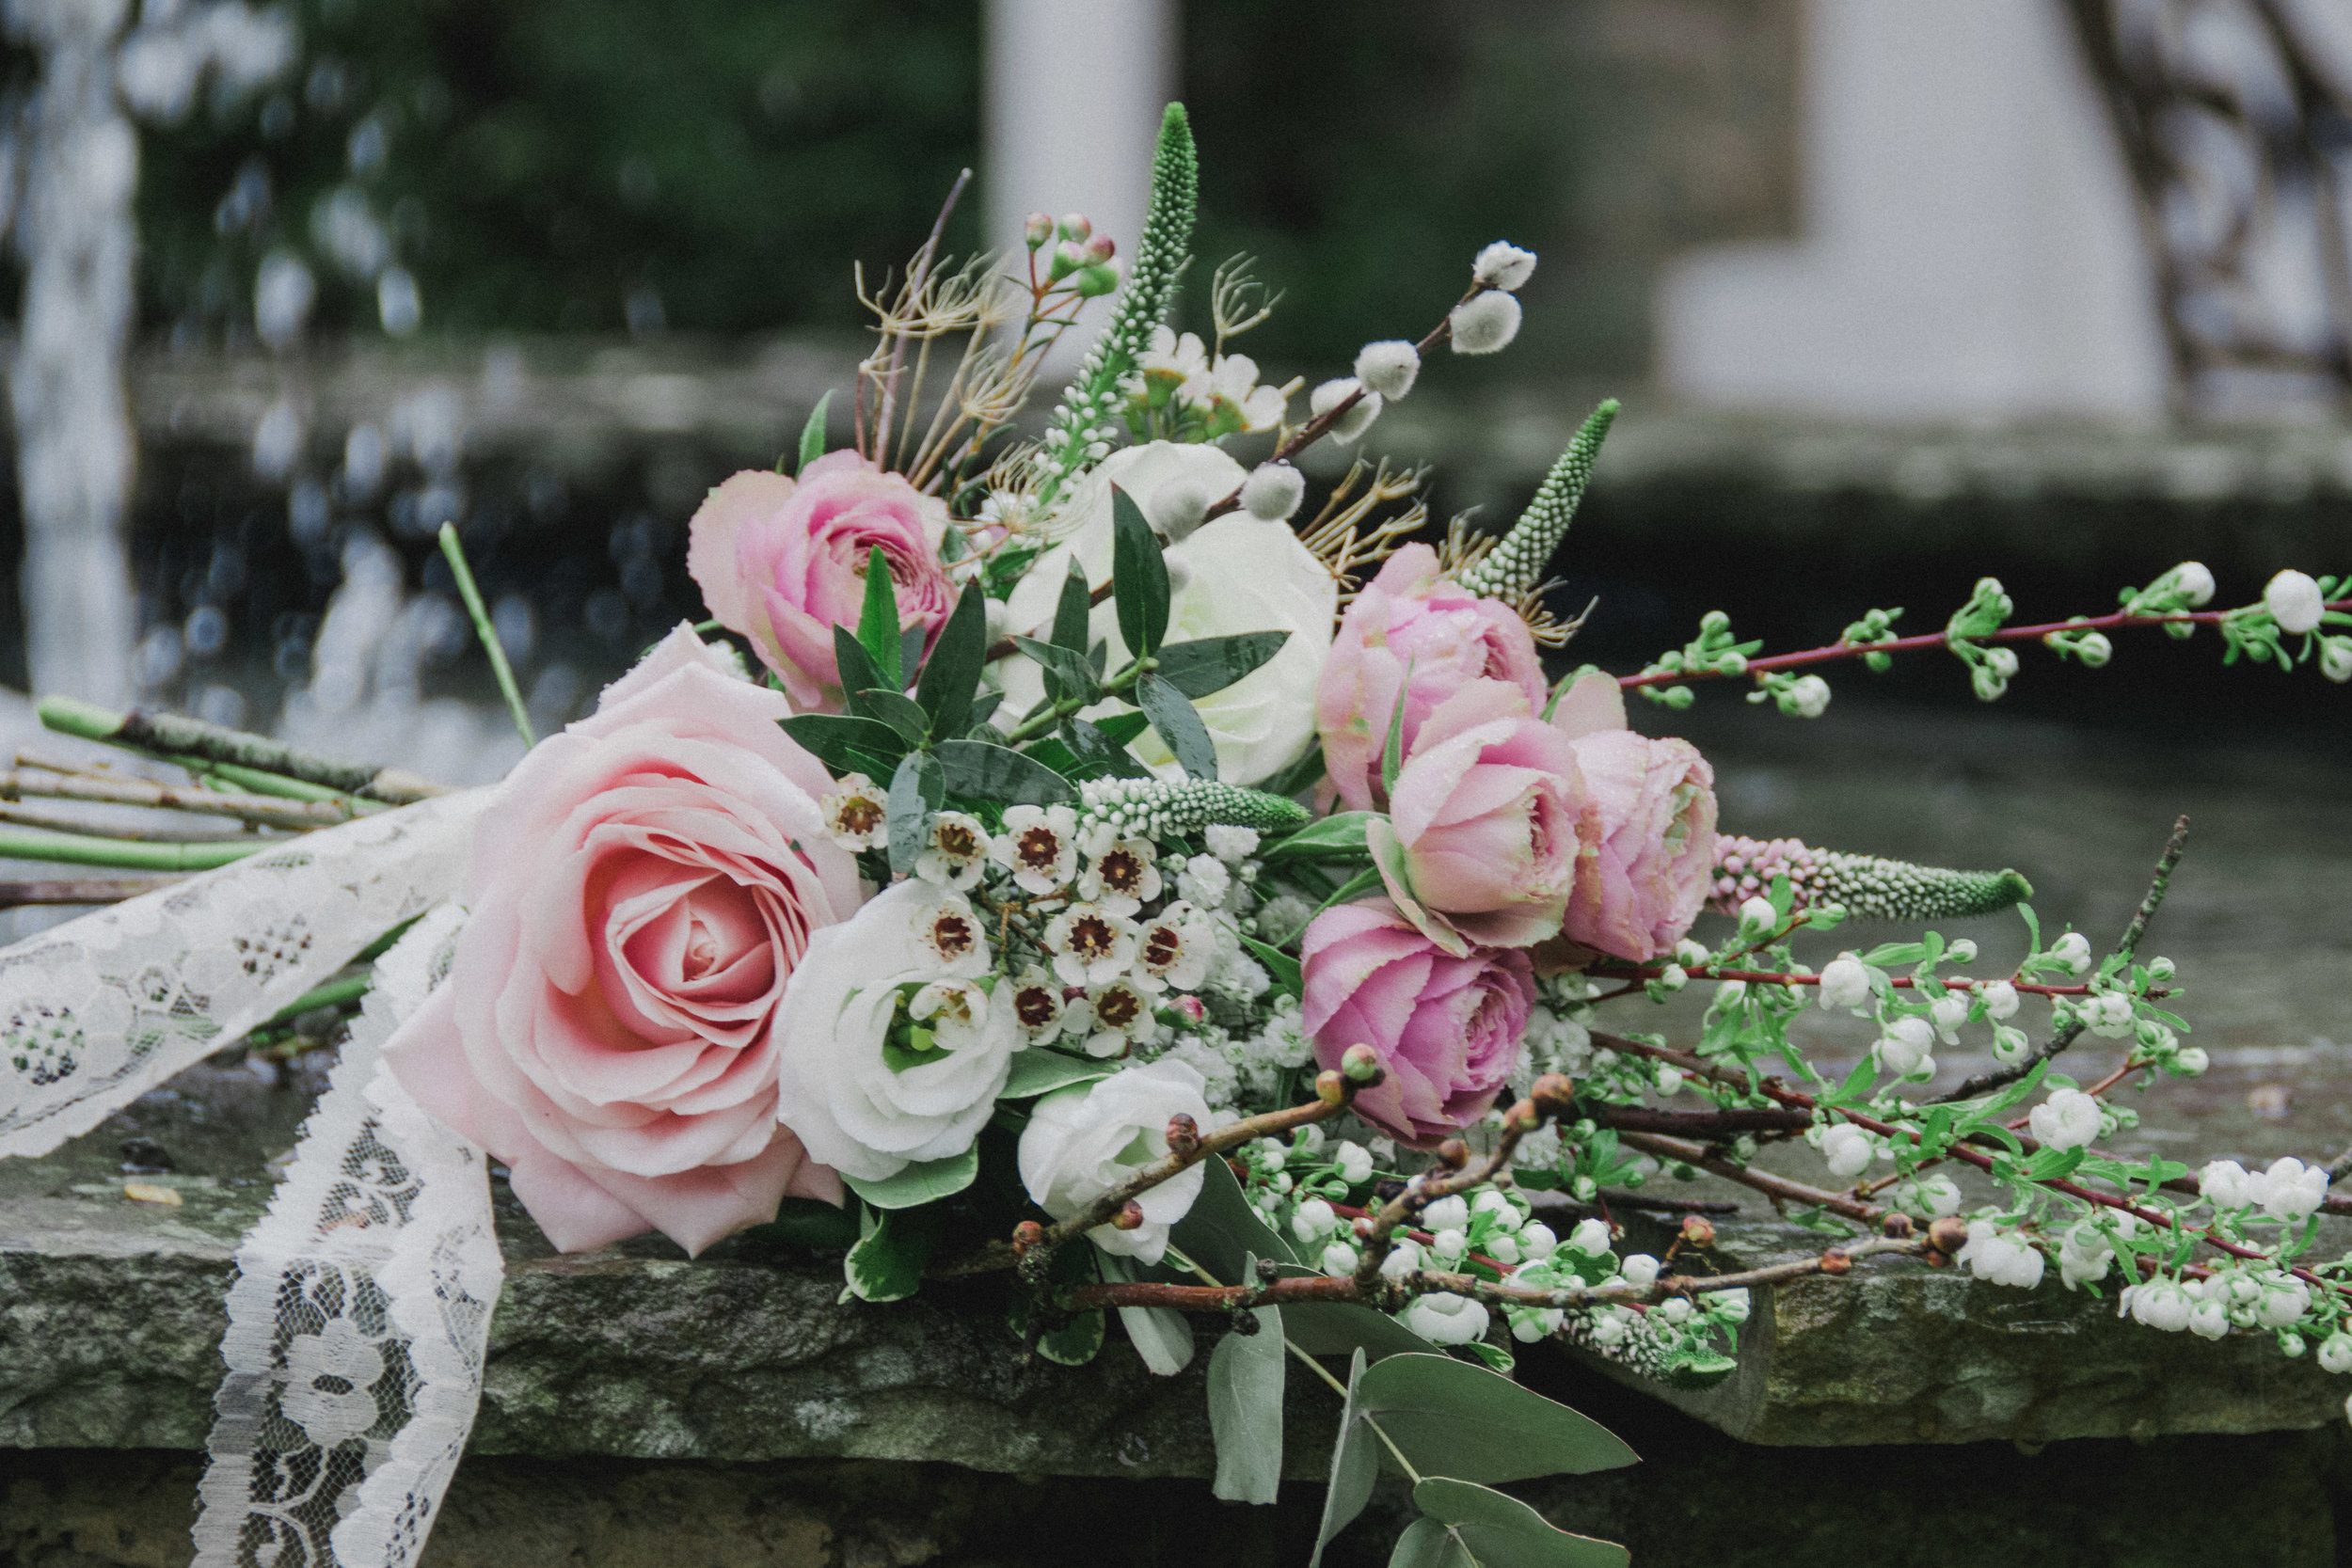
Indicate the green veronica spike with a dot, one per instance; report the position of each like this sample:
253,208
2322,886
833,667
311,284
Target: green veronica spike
1514,568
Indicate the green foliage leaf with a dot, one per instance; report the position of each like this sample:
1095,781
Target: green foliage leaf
1246,1373
810,1223
858,671
1289,978
1222,1231
1450,1418
1122,728
898,710
1488,1527
1337,837
976,769
1172,714
1392,749
845,743
1068,673
1354,1468
1138,577
877,622
893,1247
812,433
1042,1071
926,1181
1161,1335
1079,1341
917,789
1213,663
1073,611
1097,753
1301,775
952,678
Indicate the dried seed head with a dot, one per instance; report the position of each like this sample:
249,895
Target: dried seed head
1834,1261
1453,1154
1897,1225
1698,1230
1184,1135
1949,1235
1130,1216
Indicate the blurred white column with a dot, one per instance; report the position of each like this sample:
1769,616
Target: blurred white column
1970,247
1072,107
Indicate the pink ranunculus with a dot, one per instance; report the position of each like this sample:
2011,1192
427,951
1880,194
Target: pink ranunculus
1486,813
1647,836
640,890
1409,618
784,561
1446,1029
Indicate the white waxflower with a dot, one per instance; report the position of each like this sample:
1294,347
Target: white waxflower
1037,1003
948,932
1445,1319
2335,1354
1121,1015
2001,999
1091,945
1230,845
1639,1268
2074,951
1121,875
1172,362
1447,1213
2294,602
1902,1049
1948,1012
1807,697
1232,400
1931,1195
1503,265
857,814
2161,1303
2335,658
1354,1161
1084,1141
1485,324
2109,1014
1448,1246
1846,1149
1844,984
1039,846
2003,1259
1402,1259
1537,1242
2010,1045
956,853
1340,1259
1389,367
2289,1190
1313,1220
2068,1119
1273,491
1590,1237
1359,415
1204,880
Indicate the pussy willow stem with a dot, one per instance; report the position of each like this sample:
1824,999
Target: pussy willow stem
254,763
1930,639
1775,977
40,784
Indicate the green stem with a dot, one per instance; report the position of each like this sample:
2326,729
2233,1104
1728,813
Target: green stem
456,554
342,990
1120,686
252,762
124,854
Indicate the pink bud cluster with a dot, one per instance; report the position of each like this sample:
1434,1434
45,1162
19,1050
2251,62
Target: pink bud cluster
1744,869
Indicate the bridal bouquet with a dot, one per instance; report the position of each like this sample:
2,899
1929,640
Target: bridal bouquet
1096,861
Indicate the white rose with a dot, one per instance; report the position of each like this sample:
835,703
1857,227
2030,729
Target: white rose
1086,1140
836,1091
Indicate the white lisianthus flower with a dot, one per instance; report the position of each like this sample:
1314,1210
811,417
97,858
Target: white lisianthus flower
1204,880
1389,367
1445,1319
2294,602
1485,324
1086,1140
2068,1119
1273,491
1503,265
1359,415
837,1087
1844,984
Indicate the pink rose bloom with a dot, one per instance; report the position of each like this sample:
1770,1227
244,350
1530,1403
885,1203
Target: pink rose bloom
640,889
1485,812
1409,618
1649,829
1446,1029
783,563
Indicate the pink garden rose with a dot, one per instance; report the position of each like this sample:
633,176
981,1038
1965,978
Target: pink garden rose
783,563
1409,618
1446,1029
1647,836
1485,815
640,889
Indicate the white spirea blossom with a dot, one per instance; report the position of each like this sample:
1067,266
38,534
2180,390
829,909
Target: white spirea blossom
1445,1319
2294,602
1448,1246
1447,1213
2225,1184
1902,1049
2108,1015
1313,1220
834,1087
1340,1259
2195,581
1506,1214
1948,1012
2010,1045
1844,984
1389,367
1756,916
2003,1259
1273,492
1931,1195
1537,1241
2159,1303
2086,1250
1639,1268
2335,1354
2068,1119
1354,1161
1084,1141
1846,1149
1962,952
1485,324
2290,1190
2001,999
1358,418
1807,697
2209,1320
2074,951
1503,265
1403,1258
2283,1301
2335,658
1590,1237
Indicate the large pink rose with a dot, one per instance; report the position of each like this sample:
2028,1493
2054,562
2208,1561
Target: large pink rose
1446,1029
783,563
1409,618
640,890
1647,836
1485,815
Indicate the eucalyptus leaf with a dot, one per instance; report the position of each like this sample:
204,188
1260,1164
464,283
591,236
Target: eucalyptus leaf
977,770
1075,1342
917,789
926,1181
1042,1071
1213,663
1067,672
1353,1468
1247,1374
833,738
951,677
1172,714
1221,1232
812,433
1161,1335
1073,611
877,622
898,711
1138,577
893,1247
1450,1418
1496,1531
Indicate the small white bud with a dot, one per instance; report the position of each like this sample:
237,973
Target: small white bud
1355,1163
1962,952
1273,491
1672,978
2195,581
1537,1242
1590,1237
2074,951
1447,1213
1313,1220
2294,602
1339,1260
1358,418
1905,1045
1691,955
2335,658
1389,367
1639,1269
1485,324
1448,1245
1503,265
1844,984
1758,916
2001,999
